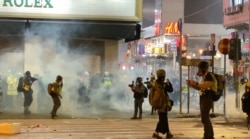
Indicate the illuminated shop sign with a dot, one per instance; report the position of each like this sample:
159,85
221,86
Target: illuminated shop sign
172,28
158,50
108,10
28,3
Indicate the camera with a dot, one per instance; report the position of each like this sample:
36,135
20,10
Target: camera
132,84
167,82
147,81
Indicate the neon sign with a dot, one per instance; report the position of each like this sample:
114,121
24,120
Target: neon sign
171,28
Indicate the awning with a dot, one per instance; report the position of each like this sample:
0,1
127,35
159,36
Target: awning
83,29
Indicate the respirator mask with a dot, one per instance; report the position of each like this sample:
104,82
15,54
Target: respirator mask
200,72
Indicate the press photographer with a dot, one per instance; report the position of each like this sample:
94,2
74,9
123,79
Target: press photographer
147,81
132,84
149,84
138,90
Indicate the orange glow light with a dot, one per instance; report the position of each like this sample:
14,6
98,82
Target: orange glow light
172,28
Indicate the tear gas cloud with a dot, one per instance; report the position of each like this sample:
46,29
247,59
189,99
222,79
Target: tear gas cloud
47,53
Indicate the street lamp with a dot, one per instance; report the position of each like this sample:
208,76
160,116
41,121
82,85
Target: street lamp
200,51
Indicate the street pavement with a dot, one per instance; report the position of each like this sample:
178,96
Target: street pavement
118,125
114,123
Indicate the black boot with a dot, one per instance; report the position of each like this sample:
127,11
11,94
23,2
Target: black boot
134,117
169,135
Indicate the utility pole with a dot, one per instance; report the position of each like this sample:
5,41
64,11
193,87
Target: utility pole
180,66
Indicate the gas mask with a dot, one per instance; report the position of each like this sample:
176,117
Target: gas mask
202,68
200,72
161,79
138,81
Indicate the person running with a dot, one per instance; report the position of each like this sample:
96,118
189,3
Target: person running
55,93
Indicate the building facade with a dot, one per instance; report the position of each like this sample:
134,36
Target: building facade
198,22
236,16
42,33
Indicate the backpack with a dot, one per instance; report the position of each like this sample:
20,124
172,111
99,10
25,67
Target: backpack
245,99
49,87
145,94
216,94
20,85
157,96
26,87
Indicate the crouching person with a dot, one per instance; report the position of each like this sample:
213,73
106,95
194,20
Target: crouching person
55,93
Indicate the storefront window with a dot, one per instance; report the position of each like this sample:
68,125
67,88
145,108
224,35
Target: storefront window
237,2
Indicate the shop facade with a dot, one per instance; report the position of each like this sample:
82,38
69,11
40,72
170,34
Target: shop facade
164,35
164,43
42,35
75,39
236,16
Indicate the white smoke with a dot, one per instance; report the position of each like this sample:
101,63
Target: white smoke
48,53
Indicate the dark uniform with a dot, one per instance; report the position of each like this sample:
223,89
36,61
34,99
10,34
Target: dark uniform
138,91
27,81
206,104
56,95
